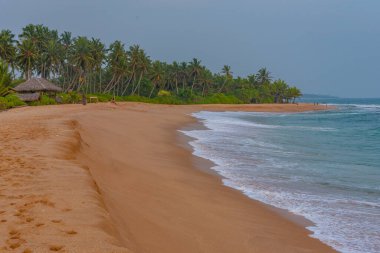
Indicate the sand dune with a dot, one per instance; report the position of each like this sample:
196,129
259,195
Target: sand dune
116,178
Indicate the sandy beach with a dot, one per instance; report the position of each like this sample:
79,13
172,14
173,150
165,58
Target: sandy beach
119,178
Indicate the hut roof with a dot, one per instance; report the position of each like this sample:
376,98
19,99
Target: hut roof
35,85
29,97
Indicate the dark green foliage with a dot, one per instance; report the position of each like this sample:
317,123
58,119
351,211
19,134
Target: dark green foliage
10,101
44,100
86,65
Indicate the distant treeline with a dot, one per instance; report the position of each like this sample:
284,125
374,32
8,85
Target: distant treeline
87,65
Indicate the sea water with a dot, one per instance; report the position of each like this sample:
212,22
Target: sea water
322,165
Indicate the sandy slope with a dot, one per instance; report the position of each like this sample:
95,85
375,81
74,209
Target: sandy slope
113,178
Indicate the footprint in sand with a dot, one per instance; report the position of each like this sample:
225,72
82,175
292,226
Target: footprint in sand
55,248
71,232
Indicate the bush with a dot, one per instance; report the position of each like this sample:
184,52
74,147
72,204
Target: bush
218,98
72,97
164,93
44,100
10,101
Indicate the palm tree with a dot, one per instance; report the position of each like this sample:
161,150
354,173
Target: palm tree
252,79
98,51
279,88
5,79
195,70
157,75
7,47
117,64
142,66
263,76
174,75
292,93
81,58
26,57
206,80
226,70
51,58
66,42
183,74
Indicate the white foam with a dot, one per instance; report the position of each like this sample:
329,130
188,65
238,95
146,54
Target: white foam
334,217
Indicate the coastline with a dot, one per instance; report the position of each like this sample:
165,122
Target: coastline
154,199
206,166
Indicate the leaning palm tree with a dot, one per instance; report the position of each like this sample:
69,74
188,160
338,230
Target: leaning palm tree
226,70
142,67
117,64
5,79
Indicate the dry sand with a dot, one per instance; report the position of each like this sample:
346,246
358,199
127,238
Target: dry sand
115,178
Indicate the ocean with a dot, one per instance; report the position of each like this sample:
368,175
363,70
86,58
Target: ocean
323,165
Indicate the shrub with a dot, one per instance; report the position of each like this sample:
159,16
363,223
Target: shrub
10,101
164,93
218,98
44,100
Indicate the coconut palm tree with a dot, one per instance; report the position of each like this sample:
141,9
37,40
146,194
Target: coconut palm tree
7,47
157,75
98,51
66,42
263,76
117,64
226,71
26,57
195,71
183,74
292,93
174,74
82,60
52,58
279,88
142,66
206,79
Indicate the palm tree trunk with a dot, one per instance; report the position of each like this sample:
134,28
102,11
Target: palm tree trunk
138,84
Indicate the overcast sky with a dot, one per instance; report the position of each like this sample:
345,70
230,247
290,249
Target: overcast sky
322,46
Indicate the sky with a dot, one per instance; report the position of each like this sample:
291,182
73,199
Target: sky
327,47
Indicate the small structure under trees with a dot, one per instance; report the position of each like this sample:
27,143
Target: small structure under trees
32,89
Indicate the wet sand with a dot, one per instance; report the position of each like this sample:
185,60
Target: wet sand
116,178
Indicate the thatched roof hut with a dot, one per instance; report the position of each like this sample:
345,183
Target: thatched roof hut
37,85
29,97
31,89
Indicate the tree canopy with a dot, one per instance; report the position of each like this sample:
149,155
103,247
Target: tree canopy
88,65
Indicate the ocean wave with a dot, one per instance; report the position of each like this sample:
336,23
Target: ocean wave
247,162
218,121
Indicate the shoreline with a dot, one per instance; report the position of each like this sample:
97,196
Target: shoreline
206,165
174,207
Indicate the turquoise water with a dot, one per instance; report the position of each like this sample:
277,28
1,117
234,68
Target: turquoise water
324,166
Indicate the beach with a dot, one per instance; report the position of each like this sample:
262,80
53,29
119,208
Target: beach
121,178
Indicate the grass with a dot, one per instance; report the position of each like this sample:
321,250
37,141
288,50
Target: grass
10,101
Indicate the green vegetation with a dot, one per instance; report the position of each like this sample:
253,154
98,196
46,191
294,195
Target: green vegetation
7,99
10,101
83,65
